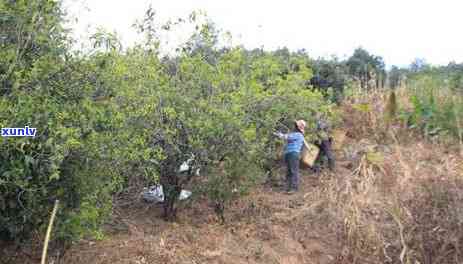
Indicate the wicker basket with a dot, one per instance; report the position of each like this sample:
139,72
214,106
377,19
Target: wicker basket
309,154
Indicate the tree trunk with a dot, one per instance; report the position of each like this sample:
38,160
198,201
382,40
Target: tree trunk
171,194
362,82
171,188
170,212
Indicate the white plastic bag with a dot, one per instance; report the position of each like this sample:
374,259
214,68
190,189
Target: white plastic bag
155,194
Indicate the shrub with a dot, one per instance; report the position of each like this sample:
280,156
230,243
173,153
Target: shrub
113,117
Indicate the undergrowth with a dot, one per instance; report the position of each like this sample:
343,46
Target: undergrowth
403,200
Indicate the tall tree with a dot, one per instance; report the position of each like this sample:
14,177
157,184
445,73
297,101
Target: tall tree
418,65
366,67
395,77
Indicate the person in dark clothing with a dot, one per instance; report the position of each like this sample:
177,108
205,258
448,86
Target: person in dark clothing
324,143
295,142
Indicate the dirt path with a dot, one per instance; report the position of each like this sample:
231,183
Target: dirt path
269,226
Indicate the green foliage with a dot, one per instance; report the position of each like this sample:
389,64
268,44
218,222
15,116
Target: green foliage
231,179
334,74
437,107
395,77
113,117
333,70
366,67
30,33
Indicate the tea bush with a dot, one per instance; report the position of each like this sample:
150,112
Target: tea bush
111,117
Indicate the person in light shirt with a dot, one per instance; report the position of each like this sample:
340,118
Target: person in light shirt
292,153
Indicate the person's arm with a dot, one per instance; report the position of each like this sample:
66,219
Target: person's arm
281,135
302,139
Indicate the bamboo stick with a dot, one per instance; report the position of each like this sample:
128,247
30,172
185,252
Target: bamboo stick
47,237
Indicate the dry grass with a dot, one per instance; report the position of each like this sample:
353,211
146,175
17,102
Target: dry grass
403,200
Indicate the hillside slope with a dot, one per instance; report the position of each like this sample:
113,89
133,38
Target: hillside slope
389,200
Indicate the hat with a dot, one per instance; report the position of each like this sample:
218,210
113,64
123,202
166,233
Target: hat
300,124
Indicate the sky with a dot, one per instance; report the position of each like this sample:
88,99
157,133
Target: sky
397,30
